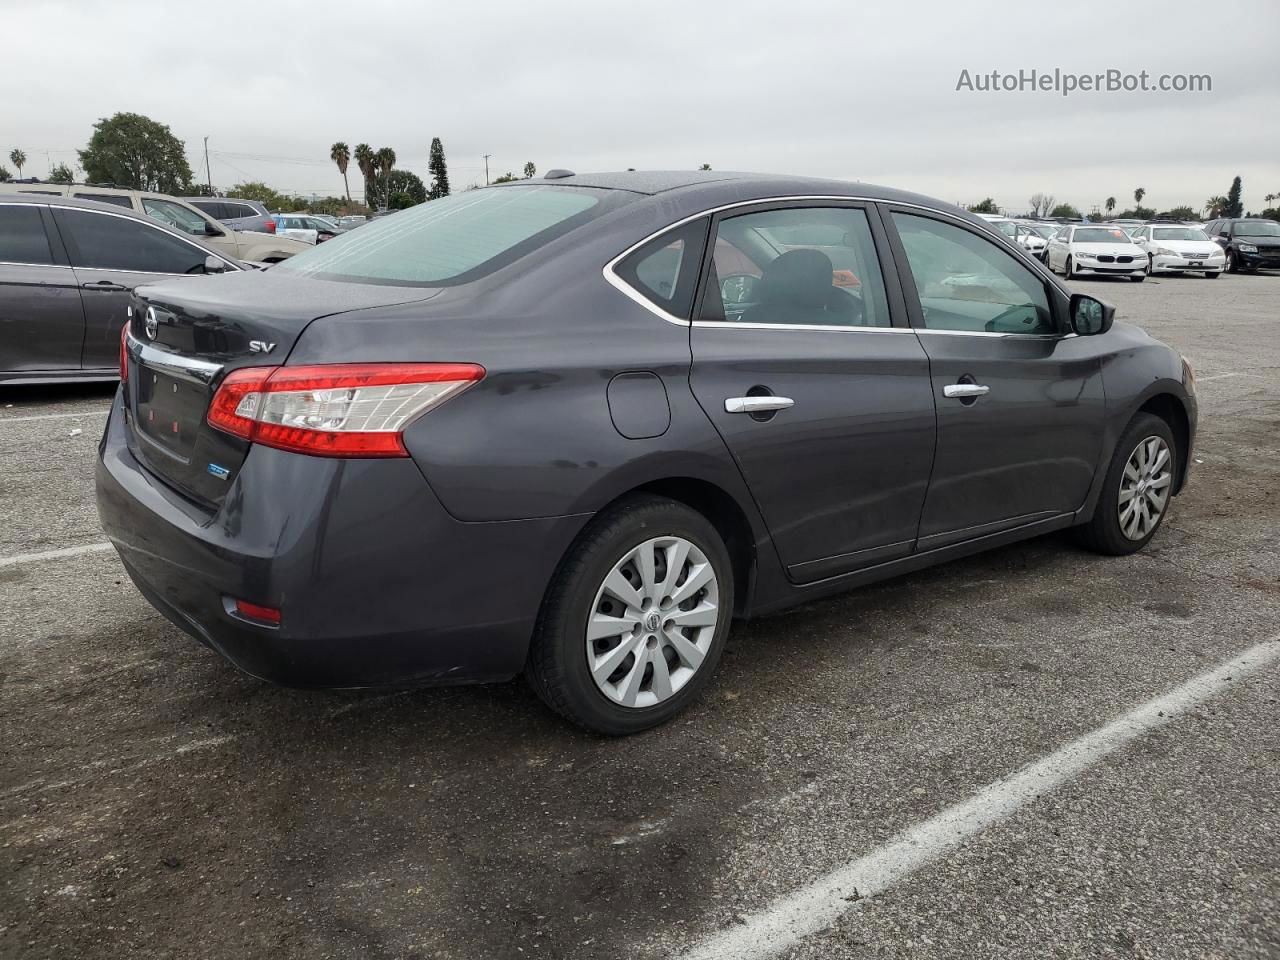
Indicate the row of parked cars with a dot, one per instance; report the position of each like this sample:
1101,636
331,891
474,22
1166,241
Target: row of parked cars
1136,249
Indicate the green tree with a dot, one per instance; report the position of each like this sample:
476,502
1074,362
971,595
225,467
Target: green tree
1214,206
530,171
1138,195
18,159
5,175
61,174
1234,208
340,154
401,188
135,151
257,190
986,206
364,160
705,166
383,161
1110,205
1178,213
507,177
1064,210
439,170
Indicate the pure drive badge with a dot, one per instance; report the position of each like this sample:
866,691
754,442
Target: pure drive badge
220,472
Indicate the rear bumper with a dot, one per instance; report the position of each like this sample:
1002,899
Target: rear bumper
378,586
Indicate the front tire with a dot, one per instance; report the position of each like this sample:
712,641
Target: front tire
636,618
1232,267
1137,490
1067,271
1138,279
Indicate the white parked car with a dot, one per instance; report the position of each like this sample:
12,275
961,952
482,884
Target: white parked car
1033,237
1017,232
1178,249
1087,250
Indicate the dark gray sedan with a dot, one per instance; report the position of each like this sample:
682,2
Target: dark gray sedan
67,272
574,426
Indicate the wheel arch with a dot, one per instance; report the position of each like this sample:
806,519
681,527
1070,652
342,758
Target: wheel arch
1169,408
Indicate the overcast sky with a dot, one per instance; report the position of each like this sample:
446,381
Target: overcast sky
852,90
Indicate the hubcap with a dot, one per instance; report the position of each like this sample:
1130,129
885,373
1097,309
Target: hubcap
1144,487
652,622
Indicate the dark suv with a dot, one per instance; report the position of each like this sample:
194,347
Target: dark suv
236,214
1249,243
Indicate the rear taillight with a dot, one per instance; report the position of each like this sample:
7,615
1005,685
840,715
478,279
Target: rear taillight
124,348
271,226
335,410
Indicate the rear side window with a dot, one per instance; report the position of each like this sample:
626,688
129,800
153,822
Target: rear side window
665,270
106,242
112,198
455,239
22,236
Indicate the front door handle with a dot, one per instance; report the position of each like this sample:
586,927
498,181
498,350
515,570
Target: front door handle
105,285
757,404
962,391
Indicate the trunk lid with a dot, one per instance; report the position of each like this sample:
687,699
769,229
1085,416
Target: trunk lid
188,334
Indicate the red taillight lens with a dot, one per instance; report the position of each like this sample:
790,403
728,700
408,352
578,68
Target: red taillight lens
124,348
271,226
335,410
255,611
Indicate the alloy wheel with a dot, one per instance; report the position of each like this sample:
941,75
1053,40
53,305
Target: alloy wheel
1144,487
652,622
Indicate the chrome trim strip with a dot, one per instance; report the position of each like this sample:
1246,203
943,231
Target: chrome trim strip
20,263
171,364
612,278
985,333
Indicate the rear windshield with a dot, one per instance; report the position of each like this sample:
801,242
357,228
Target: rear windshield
455,239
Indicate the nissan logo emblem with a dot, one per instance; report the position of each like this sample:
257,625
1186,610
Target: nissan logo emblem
153,325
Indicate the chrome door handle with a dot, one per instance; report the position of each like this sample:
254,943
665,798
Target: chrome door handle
106,285
959,391
756,404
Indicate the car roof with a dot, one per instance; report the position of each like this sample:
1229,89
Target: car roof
46,199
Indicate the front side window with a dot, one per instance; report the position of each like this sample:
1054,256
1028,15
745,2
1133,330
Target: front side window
177,216
967,283
454,239
105,242
803,266
22,236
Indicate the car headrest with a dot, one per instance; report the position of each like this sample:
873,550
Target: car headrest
801,277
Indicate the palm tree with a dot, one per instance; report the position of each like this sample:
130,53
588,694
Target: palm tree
384,160
18,158
340,155
1111,205
364,160
1138,195
1215,206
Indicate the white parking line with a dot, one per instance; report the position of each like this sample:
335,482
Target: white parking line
53,554
54,416
816,906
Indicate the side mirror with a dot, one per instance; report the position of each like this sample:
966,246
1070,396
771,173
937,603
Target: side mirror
1090,317
210,230
213,264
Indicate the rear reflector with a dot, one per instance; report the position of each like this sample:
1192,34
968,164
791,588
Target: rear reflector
335,410
270,225
124,348
254,611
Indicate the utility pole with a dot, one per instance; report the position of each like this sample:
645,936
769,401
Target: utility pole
486,168
208,177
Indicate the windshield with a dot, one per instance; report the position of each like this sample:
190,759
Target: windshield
1178,233
1100,235
1005,226
454,239
183,218
1256,228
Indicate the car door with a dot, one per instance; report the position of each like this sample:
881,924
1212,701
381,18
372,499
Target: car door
804,362
41,319
110,255
1058,248
1020,399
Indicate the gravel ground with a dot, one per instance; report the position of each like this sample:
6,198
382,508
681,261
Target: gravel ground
156,803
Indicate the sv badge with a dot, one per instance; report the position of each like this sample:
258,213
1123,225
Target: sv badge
260,346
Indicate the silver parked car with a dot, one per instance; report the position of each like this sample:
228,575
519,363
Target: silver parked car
236,213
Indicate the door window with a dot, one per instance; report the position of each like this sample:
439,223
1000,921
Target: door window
177,216
107,242
803,266
967,283
22,236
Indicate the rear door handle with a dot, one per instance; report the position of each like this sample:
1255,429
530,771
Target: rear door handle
105,285
757,404
959,391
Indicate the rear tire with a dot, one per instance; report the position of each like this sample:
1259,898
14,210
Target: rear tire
665,664
1128,480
